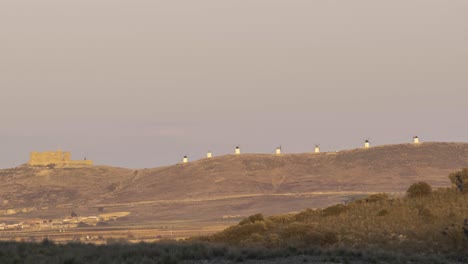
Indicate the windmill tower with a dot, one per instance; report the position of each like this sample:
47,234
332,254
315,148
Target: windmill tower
317,149
237,151
367,143
278,150
209,154
185,159
416,140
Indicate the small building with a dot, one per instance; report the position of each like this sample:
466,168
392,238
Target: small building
237,151
185,159
416,140
278,151
317,149
367,144
209,154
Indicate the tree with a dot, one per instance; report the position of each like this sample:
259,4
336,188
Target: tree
460,180
418,190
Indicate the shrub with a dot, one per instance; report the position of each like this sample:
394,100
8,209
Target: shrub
239,233
460,180
252,219
334,210
418,190
377,197
306,215
282,219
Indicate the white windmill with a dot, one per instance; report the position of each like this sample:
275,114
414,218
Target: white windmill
237,151
367,143
317,148
278,150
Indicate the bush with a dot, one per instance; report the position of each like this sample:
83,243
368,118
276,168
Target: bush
237,234
460,180
334,210
300,234
377,198
252,219
306,215
418,190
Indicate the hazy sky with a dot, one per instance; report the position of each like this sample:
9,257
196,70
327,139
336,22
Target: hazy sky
141,83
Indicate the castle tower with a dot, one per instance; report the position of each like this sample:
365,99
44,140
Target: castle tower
237,151
367,144
278,151
415,140
209,154
185,159
317,149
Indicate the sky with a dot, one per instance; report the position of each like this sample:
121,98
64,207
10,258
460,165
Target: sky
140,84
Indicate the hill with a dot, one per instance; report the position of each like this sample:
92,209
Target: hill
228,186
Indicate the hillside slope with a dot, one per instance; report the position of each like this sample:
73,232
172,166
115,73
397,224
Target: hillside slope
229,185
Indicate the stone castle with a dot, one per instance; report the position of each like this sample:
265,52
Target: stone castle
57,158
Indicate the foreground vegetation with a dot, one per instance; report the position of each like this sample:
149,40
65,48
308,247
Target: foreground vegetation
200,252
432,222
424,221
425,226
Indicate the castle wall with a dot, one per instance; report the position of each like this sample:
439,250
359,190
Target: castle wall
76,163
57,158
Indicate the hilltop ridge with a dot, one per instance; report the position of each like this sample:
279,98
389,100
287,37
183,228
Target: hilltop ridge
230,184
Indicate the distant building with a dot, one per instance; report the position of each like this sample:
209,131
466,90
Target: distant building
185,159
237,151
209,154
415,140
317,149
367,144
278,151
57,158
